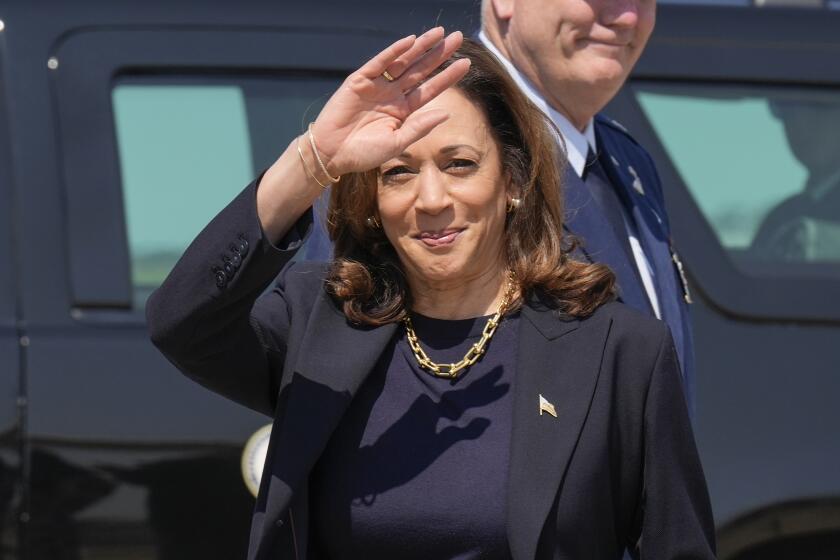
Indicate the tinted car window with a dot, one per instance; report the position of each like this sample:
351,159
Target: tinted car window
762,165
188,145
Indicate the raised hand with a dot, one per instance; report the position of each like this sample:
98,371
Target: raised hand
378,111
366,122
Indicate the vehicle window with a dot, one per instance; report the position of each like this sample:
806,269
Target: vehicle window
187,146
762,164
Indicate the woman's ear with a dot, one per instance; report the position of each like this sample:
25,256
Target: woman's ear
513,194
512,189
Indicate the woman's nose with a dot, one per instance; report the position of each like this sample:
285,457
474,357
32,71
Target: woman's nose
432,192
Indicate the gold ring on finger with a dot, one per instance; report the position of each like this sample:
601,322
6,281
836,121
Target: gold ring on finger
388,76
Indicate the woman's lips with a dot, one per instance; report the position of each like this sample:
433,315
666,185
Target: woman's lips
439,238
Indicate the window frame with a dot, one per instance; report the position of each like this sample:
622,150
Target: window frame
12,347
8,220
696,57
91,63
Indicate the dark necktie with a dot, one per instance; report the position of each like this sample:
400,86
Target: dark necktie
607,198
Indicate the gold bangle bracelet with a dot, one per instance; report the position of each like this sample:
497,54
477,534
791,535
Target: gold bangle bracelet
306,166
318,157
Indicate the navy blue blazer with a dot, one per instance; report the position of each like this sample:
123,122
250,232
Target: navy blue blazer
632,172
616,468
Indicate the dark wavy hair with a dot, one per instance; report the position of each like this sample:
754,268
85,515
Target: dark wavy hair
367,275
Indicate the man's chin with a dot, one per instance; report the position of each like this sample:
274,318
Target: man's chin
605,72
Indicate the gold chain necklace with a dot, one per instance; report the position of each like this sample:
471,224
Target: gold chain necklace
451,371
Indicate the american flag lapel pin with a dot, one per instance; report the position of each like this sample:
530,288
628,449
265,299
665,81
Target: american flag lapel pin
547,407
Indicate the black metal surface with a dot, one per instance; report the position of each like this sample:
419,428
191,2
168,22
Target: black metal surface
11,359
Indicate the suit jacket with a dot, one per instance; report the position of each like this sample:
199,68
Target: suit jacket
617,466
632,172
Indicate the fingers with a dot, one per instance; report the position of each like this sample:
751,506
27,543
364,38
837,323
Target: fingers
374,67
415,57
436,85
423,43
424,66
418,125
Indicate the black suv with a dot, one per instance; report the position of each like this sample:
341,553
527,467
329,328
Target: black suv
124,126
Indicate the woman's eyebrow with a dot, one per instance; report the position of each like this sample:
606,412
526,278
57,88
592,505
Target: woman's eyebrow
445,150
455,147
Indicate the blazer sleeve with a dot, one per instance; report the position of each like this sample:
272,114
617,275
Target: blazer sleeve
206,318
676,517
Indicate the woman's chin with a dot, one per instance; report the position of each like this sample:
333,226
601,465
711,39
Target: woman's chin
438,271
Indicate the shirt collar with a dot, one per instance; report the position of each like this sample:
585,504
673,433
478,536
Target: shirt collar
575,142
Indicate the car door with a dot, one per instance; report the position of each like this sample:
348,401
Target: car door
740,108
152,120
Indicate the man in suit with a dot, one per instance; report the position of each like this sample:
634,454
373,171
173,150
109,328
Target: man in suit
570,57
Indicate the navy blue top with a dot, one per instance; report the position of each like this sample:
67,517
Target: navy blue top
418,466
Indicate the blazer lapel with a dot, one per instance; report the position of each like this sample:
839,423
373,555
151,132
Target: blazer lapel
335,358
560,361
650,225
585,220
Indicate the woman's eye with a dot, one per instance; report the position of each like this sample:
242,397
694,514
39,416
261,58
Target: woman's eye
462,164
394,171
